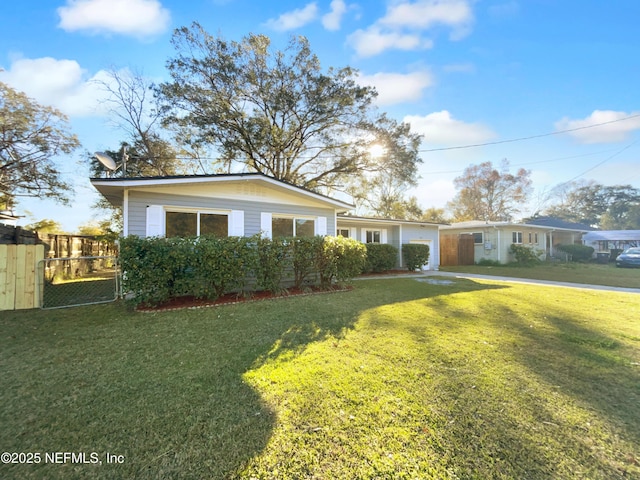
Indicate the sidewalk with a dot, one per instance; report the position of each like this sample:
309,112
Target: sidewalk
434,273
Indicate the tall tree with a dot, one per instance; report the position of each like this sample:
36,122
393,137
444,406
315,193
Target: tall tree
609,207
486,193
31,135
278,112
133,110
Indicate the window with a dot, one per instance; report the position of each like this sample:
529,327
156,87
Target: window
516,237
478,238
191,224
292,227
533,238
373,236
343,232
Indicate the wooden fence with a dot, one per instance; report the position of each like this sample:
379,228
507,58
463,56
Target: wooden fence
20,281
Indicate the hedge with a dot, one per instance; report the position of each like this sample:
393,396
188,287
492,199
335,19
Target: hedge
380,257
157,269
415,255
578,253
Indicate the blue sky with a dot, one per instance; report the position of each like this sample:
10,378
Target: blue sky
462,72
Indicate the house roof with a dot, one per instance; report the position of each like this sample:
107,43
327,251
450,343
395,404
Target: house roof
612,235
478,224
113,188
555,222
393,221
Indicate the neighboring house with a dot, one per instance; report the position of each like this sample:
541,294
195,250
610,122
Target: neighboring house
608,240
247,204
493,240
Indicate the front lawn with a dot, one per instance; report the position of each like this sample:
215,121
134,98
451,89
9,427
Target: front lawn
399,378
587,273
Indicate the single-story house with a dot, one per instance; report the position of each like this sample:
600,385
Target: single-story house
493,240
608,240
246,204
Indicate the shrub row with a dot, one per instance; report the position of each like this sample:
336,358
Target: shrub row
578,253
158,269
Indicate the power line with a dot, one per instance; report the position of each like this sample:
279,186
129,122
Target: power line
604,161
559,132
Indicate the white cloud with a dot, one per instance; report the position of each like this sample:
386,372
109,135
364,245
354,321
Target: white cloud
440,128
374,41
403,25
295,18
137,18
397,87
62,84
615,129
424,14
331,21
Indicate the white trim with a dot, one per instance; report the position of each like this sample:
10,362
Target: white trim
236,223
266,227
125,213
154,225
321,226
231,228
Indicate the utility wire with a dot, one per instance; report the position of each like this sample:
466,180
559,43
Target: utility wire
559,132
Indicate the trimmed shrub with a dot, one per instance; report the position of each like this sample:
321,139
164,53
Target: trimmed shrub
380,257
341,260
273,261
525,256
305,252
158,269
415,255
577,252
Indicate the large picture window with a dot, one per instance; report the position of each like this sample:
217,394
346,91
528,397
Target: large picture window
191,224
292,227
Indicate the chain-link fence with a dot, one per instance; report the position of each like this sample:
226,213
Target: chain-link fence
77,281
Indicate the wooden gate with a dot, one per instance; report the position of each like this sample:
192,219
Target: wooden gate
456,250
20,283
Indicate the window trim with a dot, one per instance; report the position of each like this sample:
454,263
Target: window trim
198,212
474,237
294,218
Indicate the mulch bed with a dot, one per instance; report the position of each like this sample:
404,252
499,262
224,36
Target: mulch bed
180,303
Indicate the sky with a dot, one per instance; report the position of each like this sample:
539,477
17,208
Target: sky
551,86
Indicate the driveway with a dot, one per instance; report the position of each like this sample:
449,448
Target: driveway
534,282
434,273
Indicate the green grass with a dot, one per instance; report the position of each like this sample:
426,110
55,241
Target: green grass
586,273
395,379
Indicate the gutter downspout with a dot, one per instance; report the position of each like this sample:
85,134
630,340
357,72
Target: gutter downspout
499,243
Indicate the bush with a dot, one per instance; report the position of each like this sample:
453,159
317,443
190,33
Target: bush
273,260
305,252
380,257
525,256
341,260
486,262
578,253
158,269
415,255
